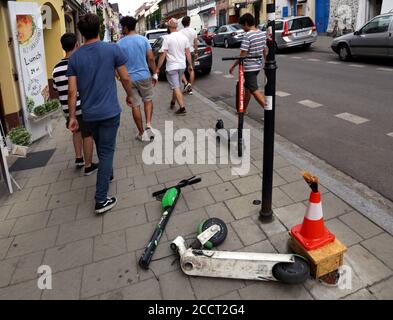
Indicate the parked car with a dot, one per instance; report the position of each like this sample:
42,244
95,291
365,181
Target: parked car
208,34
375,39
294,32
228,35
153,35
203,64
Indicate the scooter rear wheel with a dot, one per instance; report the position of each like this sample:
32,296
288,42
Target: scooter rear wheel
292,273
219,237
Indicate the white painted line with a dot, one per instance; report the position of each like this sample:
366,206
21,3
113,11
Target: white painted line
282,94
357,65
351,118
296,57
385,69
334,62
314,60
390,134
218,72
311,104
229,76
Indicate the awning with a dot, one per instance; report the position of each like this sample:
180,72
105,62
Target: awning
209,10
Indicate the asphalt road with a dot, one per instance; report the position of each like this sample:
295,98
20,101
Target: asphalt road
362,88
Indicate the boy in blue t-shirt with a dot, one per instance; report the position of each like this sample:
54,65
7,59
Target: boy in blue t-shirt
140,58
91,72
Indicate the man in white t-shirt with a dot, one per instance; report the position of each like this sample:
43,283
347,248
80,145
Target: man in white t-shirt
192,37
176,49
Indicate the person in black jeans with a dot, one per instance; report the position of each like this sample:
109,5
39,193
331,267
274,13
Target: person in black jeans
91,72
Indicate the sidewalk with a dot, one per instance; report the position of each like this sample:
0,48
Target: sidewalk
51,222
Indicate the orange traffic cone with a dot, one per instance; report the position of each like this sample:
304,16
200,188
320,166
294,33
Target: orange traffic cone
313,234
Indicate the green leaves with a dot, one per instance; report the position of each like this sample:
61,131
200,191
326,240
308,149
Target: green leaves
20,136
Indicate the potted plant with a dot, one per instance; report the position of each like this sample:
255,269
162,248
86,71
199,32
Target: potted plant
42,111
20,139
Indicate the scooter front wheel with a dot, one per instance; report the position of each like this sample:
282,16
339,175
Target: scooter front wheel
292,273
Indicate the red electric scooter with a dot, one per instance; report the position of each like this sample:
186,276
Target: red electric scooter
240,91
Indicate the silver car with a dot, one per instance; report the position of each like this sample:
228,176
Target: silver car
294,32
228,35
375,38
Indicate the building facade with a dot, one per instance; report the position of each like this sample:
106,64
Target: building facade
173,9
63,17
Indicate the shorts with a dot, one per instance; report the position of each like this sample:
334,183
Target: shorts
251,81
174,78
142,91
82,127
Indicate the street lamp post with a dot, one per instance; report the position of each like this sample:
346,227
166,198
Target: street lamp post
266,213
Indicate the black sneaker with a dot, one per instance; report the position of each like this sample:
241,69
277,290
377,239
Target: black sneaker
93,168
102,207
79,163
173,104
181,112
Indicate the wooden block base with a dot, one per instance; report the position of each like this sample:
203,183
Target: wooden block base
322,260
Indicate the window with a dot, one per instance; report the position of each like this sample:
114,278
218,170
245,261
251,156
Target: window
155,35
236,26
222,29
300,23
377,25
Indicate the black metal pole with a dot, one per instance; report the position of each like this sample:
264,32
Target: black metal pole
266,213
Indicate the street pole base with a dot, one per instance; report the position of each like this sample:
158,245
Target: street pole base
266,217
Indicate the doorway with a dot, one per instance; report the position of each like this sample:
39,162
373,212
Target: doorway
322,8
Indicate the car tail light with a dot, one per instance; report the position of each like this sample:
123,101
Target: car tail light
286,32
208,50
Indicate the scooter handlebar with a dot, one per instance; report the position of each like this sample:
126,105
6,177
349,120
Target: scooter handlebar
181,184
241,58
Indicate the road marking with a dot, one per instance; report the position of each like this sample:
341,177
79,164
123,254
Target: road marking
282,94
314,60
218,72
351,118
334,62
390,134
357,65
296,57
229,76
311,104
385,69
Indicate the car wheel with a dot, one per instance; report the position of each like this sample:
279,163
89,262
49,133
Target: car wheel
307,45
226,44
344,53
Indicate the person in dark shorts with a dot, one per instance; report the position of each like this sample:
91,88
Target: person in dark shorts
253,44
83,138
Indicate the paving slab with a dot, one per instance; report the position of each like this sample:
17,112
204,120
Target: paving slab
383,290
382,247
65,286
109,245
144,290
107,275
361,225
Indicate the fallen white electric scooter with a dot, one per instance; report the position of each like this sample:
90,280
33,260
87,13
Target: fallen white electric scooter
196,261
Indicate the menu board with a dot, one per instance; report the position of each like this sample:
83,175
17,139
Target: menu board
28,38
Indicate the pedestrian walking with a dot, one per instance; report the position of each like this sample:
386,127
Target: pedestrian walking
140,58
253,44
82,138
176,50
91,72
192,37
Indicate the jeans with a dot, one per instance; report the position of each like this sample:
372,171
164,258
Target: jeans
104,135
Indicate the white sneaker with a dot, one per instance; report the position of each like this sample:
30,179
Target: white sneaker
187,88
150,134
